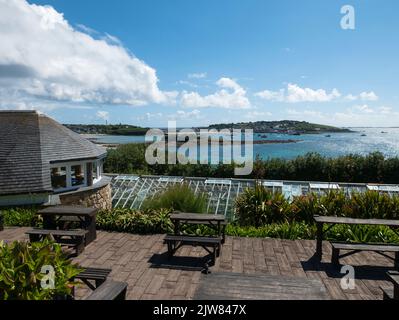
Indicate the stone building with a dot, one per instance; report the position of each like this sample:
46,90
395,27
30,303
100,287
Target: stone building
44,163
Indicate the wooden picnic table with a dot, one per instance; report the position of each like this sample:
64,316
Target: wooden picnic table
215,221
212,244
332,221
85,216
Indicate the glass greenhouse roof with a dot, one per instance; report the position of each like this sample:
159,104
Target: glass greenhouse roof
130,191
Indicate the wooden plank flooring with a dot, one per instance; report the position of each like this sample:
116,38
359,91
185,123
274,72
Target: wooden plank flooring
238,286
141,262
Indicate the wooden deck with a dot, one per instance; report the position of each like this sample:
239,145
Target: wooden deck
239,286
141,262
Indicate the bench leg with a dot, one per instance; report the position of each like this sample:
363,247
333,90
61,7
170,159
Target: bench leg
80,246
122,295
319,242
99,282
385,296
397,260
214,255
172,245
34,238
170,250
218,250
335,257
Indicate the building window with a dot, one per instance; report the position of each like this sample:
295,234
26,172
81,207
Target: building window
59,178
94,171
97,170
68,176
100,168
77,175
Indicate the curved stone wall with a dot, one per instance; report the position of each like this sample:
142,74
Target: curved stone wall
95,196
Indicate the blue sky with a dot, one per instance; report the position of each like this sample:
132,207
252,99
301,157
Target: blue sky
202,62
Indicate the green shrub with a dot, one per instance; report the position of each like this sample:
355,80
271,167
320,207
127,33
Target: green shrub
374,205
362,234
374,167
330,203
285,230
179,197
21,217
305,207
259,206
127,158
21,274
158,221
135,221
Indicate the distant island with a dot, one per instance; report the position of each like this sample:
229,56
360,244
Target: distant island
284,126
110,129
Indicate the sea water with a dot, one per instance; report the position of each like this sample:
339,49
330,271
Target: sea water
362,141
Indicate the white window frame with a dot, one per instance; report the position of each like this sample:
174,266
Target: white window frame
68,166
99,169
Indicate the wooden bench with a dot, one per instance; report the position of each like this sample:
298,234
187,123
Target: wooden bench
60,217
98,275
331,221
109,290
392,294
174,242
70,238
216,222
357,247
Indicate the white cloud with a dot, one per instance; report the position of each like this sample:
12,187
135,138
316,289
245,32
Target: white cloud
385,110
294,94
364,96
271,95
201,75
184,115
258,115
104,115
230,96
305,113
356,116
363,108
148,116
112,40
86,29
43,56
368,96
351,97
187,83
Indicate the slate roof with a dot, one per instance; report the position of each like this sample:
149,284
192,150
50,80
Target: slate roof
29,142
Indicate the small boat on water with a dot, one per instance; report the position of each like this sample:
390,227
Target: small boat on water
364,135
383,132
328,136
